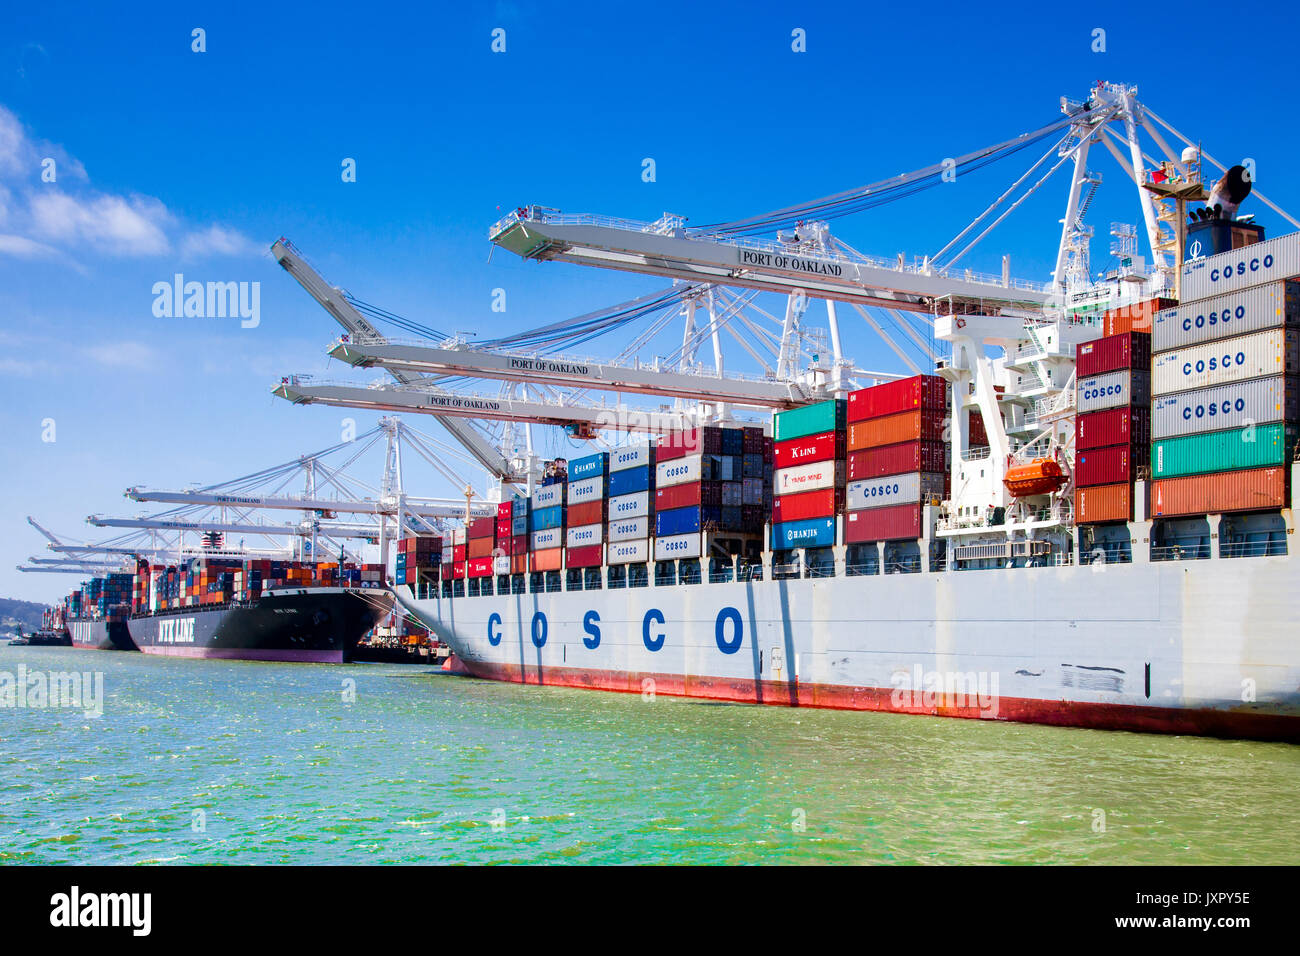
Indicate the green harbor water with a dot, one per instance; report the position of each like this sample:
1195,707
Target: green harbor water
238,762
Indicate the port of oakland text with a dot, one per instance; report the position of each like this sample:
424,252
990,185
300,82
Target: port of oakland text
771,260
447,401
542,365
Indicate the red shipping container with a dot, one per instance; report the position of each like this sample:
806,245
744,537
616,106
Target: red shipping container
977,435
478,567
589,512
1253,489
1112,353
923,423
705,440
552,559
1103,466
503,528
919,391
688,496
588,556
1103,503
402,543
519,563
479,547
458,554
519,544
807,504
827,446
1114,426
505,511
484,527
892,523
898,459
453,571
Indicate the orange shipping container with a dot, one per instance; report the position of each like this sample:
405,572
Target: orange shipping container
1134,318
481,547
1103,503
921,424
552,559
1254,489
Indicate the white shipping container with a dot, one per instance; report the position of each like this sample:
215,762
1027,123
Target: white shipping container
589,489
905,489
458,535
1112,390
1251,310
678,471
501,564
677,546
1274,352
629,529
637,456
548,496
628,552
629,506
1262,401
1242,268
545,540
813,476
584,535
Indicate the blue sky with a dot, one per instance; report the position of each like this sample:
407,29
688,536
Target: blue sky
174,161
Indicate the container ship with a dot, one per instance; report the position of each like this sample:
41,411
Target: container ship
237,610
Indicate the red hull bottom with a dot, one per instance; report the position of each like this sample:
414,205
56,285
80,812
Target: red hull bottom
247,654
1202,722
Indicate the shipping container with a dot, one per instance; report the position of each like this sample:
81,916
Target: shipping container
690,495
634,456
813,533
1262,401
628,552
673,547
1112,390
828,416
589,556
1257,489
1112,353
1273,352
1114,426
629,481
546,539
502,564
478,567
1104,466
896,459
705,440
542,519
1226,316
977,435
1257,264
582,536
678,471
505,510
480,547
548,496
629,529
919,391
458,554
1102,503
481,527
895,523
629,506
458,536
519,544
502,529
1134,317
588,489
810,477
799,451
591,512
1256,446
807,505
927,424
687,520
906,489
590,467
518,525
549,560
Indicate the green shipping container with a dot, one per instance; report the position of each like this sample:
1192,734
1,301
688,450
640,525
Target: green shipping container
810,420
1222,451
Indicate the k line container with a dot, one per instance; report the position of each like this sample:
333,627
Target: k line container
897,459
1227,316
1260,354
588,467
628,552
919,391
549,560
1257,264
906,489
629,481
672,547
629,529
1112,390
826,446
807,505
1104,466
1103,503
629,506
546,539
590,556
1112,353
1256,489
811,477
895,523
816,419
635,456
1255,447
1114,426
923,423
588,489
813,533
584,536
547,496
1261,400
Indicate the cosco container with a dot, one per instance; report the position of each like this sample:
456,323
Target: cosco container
896,459
1104,466
1112,390
811,477
895,523
826,416
1256,489
588,489
1274,352
547,496
1114,426
676,546
629,506
629,529
629,481
635,456
799,451
808,504
542,519
628,552
1255,446
813,533
1102,503
1261,400
1225,316
919,391
906,489
1112,353
546,539
1252,265
678,471
584,535
589,467
923,423
589,556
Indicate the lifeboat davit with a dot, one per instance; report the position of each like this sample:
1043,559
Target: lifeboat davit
1041,476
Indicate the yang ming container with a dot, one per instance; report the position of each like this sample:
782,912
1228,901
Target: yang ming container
1261,400
1112,390
1256,489
1225,316
810,477
1260,354
1256,264
1253,447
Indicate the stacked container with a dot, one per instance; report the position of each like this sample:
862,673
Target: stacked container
1113,426
480,545
808,480
584,536
414,556
631,488
897,457
1224,407
546,523
700,489
454,550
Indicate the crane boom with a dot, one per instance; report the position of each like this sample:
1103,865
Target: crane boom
234,527
423,507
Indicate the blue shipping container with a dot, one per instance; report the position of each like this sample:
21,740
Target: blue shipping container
519,526
543,519
813,533
629,481
588,467
684,520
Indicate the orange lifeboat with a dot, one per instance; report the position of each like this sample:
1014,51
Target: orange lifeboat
1041,476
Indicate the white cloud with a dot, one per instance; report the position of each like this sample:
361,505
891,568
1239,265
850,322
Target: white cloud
218,241
23,248
111,224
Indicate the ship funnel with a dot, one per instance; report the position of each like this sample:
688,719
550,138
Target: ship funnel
1228,193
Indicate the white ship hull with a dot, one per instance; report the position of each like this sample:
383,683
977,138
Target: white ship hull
1197,647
